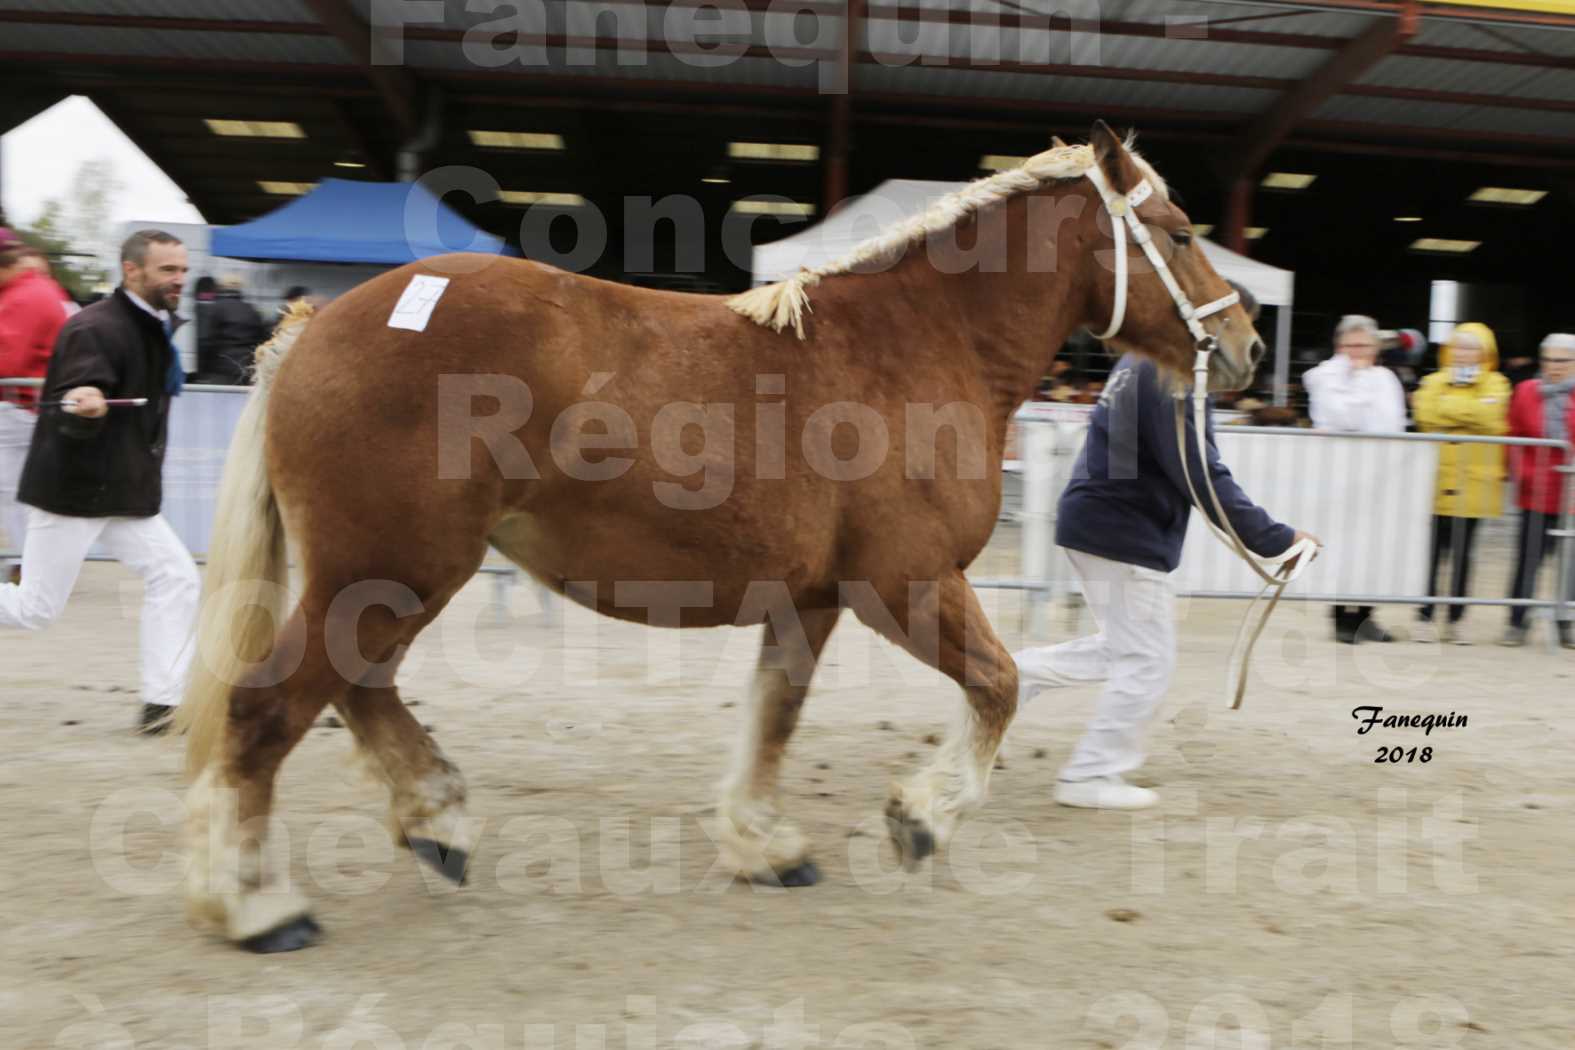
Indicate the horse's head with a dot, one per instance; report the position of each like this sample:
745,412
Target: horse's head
1146,317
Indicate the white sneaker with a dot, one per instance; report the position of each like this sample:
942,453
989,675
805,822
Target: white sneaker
1104,793
1425,631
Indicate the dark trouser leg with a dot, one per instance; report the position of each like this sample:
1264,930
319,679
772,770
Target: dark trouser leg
1435,553
1531,549
1461,546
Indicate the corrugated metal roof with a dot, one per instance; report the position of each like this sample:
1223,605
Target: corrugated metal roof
1399,112
751,72
1071,90
249,10
149,43
1550,83
1303,22
1517,122
1089,49
1544,40
1438,32
1438,74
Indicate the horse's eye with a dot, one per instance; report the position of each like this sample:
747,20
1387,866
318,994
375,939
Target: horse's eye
1183,238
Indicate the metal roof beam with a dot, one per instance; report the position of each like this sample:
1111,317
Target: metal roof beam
1270,128
399,89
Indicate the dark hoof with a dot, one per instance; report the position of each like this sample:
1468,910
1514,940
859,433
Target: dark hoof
806,874
913,840
155,719
294,935
450,863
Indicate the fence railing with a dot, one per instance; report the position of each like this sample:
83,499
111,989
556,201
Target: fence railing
1370,497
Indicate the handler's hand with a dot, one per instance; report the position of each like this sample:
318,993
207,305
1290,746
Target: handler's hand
1300,535
89,402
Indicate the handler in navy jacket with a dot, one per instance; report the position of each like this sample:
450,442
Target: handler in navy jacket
1122,521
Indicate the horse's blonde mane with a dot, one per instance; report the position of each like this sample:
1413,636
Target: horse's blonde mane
777,306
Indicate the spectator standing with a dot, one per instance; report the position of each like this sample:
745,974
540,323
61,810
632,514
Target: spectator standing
1541,408
1466,396
32,312
1350,392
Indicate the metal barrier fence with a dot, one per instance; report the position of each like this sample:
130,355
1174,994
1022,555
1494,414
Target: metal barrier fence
1369,497
202,421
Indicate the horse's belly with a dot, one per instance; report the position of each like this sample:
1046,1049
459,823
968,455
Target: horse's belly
637,570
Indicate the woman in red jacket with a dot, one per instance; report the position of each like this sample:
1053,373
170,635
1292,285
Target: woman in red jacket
31,316
1541,408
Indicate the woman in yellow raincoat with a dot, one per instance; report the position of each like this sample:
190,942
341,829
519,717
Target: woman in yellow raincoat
1467,395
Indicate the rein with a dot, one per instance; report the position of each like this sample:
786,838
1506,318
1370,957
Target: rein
1277,572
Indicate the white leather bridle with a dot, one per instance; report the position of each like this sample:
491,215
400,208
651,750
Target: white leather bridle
1277,572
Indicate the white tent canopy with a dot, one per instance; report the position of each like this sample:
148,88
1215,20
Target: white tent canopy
897,199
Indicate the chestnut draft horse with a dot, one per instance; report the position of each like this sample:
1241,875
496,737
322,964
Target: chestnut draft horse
353,447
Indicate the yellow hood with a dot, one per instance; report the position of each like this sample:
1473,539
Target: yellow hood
1484,335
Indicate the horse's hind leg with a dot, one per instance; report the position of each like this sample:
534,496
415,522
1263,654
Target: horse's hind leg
232,879
426,790
758,843
924,811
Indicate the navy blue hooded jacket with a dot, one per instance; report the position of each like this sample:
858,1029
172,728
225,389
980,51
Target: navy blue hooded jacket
1128,497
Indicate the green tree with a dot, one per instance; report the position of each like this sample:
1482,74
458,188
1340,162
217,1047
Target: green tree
75,233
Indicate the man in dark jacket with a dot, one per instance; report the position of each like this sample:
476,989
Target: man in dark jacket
1123,519
93,471
231,330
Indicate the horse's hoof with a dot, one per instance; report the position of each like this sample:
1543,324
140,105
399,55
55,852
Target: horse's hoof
913,840
451,862
298,933
806,874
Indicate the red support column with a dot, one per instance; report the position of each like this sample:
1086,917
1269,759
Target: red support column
834,155
1238,215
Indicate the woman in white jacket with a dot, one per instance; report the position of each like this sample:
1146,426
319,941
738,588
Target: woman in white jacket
1352,393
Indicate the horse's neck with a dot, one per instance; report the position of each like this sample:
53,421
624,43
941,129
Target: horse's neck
1013,322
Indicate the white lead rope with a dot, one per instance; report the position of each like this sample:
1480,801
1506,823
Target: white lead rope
1277,573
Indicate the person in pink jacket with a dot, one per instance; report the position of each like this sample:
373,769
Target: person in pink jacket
32,313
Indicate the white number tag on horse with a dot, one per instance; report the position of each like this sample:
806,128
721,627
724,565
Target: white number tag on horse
415,306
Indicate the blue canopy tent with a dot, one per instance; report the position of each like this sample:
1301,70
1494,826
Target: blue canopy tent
344,221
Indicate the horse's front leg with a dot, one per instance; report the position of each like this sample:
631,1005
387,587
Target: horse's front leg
925,810
757,842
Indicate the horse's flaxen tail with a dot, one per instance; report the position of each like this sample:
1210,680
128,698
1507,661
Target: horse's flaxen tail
245,586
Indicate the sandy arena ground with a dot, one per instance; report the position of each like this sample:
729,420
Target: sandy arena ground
1289,892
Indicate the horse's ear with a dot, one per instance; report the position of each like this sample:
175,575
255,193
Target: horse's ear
1056,143
1112,158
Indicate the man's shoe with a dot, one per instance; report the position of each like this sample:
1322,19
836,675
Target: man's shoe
1345,634
1426,631
155,719
1103,793
1370,631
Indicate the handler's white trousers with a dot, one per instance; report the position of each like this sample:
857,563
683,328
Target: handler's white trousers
52,559
1133,653
16,433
